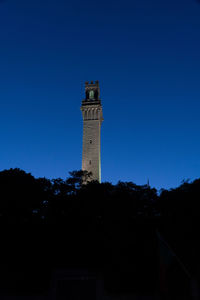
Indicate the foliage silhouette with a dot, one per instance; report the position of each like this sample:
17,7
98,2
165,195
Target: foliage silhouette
113,225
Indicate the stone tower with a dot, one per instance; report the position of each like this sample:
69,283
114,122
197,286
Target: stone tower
92,118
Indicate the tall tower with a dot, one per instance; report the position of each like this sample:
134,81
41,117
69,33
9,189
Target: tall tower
92,118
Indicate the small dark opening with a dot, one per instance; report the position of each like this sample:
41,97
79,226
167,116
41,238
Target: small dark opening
90,141
90,162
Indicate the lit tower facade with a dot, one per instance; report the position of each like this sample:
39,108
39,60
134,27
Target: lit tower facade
92,118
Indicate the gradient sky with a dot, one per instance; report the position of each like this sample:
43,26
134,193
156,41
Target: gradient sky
146,56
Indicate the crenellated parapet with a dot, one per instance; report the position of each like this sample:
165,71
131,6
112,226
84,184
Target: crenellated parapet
91,106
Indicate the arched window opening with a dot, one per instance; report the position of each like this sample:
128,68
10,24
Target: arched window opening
91,94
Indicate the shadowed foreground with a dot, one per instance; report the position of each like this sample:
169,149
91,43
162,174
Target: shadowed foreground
62,240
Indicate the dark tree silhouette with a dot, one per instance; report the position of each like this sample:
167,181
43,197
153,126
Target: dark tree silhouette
113,225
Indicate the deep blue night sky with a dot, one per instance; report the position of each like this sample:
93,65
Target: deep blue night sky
146,56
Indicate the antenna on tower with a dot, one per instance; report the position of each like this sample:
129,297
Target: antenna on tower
148,185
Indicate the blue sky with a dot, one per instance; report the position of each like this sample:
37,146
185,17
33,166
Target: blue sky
146,56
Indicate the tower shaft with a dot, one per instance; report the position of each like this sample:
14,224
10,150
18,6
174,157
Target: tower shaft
92,119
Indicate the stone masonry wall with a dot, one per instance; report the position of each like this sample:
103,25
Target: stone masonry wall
91,158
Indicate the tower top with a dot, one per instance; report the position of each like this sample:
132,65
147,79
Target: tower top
92,83
92,93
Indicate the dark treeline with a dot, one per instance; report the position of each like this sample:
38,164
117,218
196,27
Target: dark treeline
107,227
25,199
